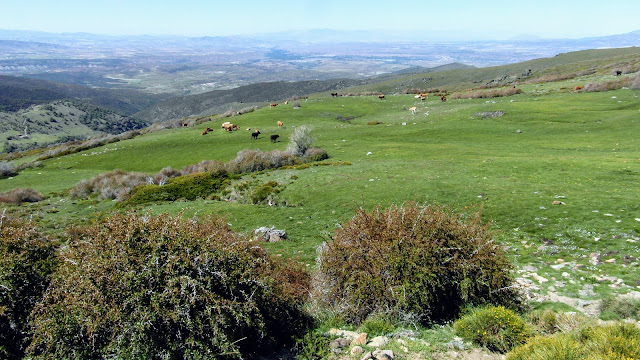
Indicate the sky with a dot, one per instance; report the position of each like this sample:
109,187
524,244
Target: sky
445,19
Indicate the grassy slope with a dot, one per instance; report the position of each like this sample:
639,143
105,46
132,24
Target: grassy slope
580,148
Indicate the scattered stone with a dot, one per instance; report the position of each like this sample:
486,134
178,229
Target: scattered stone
558,266
539,278
339,343
489,114
383,355
587,290
560,284
269,234
405,333
367,356
356,350
456,344
557,202
378,341
529,268
611,261
584,303
343,333
361,339
566,274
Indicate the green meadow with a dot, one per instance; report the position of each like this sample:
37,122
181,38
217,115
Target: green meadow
581,150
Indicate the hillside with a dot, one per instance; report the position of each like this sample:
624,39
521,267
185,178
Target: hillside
59,121
567,65
553,171
219,101
17,93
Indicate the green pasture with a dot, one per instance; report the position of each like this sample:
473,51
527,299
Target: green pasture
582,149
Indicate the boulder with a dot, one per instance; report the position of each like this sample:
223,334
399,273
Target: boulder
269,234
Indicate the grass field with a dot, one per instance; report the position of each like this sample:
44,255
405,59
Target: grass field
581,149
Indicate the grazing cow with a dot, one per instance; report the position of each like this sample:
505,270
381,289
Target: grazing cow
334,94
618,72
578,88
443,98
413,109
418,96
273,104
425,95
381,97
230,127
206,131
255,133
274,138
280,123
286,102
224,125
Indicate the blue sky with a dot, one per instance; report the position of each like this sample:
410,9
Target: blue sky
445,19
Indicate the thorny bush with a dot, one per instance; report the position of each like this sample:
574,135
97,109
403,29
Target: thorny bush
159,287
417,264
27,258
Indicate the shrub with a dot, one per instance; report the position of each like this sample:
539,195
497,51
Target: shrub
204,166
635,85
300,141
27,258
316,154
116,184
247,161
618,341
20,195
608,85
487,94
262,192
188,187
313,346
158,287
412,262
377,325
612,308
494,327
7,169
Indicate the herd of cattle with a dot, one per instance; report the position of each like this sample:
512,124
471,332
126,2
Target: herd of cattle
228,126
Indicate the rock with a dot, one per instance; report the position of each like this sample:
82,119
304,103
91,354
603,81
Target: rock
539,278
587,290
343,333
610,261
566,274
367,356
378,341
456,344
405,333
339,343
557,202
558,266
361,339
269,234
356,350
383,355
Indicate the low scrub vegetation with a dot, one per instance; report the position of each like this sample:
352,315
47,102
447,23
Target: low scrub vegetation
7,169
186,187
20,195
494,327
159,287
608,85
27,258
635,85
612,308
619,341
487,93
416,264
116,185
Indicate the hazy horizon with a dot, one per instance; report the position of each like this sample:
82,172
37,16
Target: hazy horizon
450,21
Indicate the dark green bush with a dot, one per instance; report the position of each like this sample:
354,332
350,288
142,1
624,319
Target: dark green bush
159,287
262,192
494,327
415,263
314,345
27,259
189,187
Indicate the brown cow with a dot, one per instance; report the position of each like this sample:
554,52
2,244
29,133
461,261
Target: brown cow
578,88
273,104
206,131
443,98
280,123
255,133
413,110
381,97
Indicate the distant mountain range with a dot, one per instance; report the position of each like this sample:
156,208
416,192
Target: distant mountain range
180,65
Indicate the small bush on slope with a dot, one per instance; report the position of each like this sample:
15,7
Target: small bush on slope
619,341
494,327
413,263
27,258
163,288
20,195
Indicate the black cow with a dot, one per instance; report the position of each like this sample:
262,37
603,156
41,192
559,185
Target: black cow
274,138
